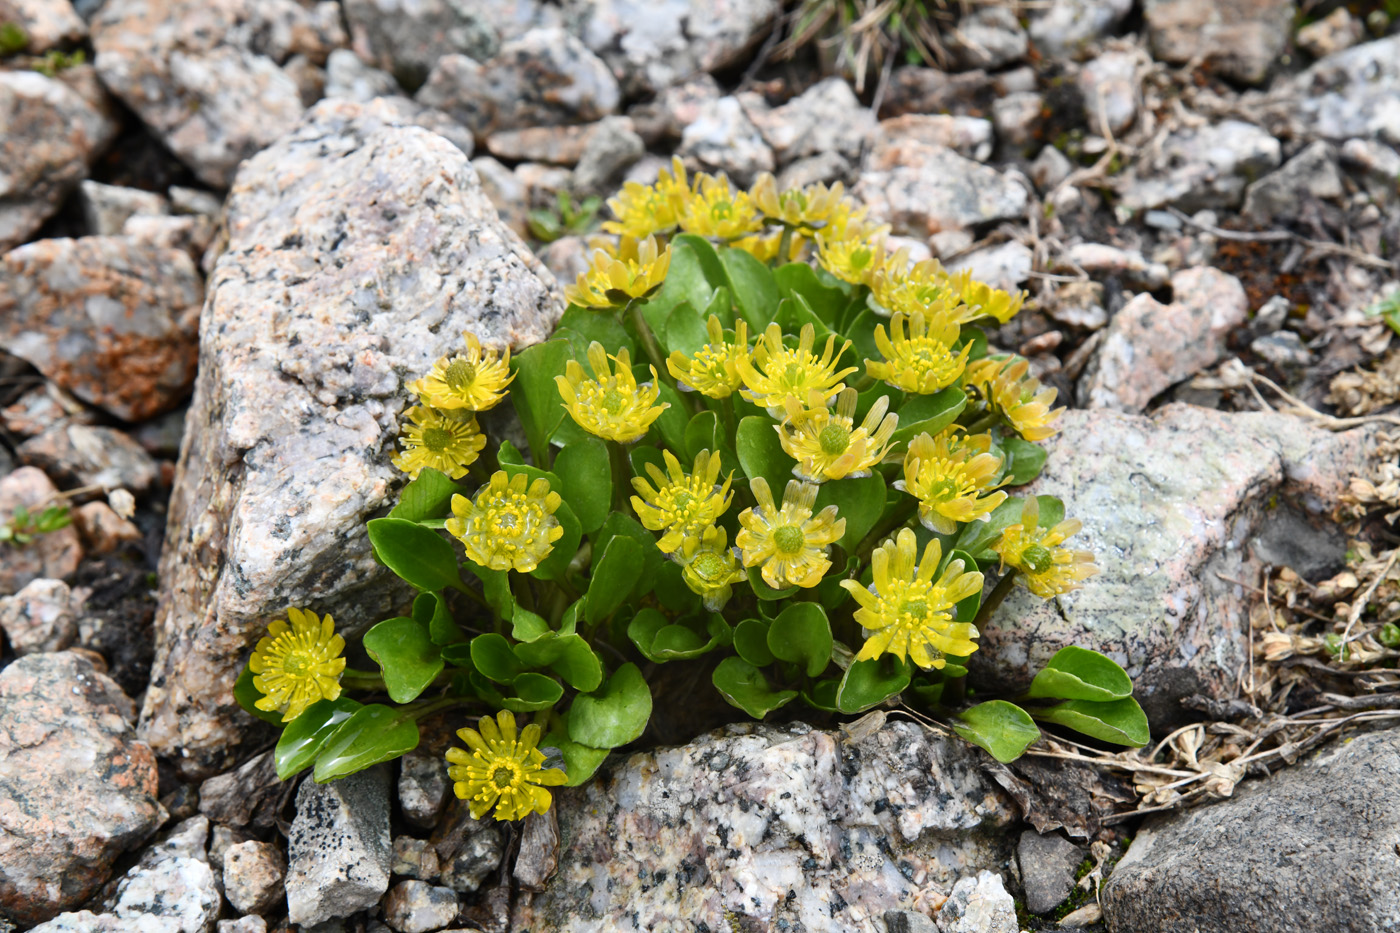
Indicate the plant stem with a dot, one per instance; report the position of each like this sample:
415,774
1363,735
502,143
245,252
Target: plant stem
649,345
621,476
898,517
361,680
784,246
432,706
999,593
726,415
987,421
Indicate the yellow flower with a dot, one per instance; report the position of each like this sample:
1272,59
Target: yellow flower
443,442
1007,388
907,613
643,210
474,381
777,372
789,542
714,369
923,287
680,505
610,405
851,258
953,477
502,770
612,281
714,210
507,525
805,210
922,362
1046,568
709,567
828,445
991,301
765,247
297,664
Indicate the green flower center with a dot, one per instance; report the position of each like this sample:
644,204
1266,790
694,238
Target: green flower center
941,490
915,607
612,402
834,439
437,439
789,539
860,258
792,374
297,664
460,375
708,566
1037,558
722,210
503,778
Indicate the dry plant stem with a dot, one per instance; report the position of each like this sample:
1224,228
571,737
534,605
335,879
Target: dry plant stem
1358,605
1273,236
1303,409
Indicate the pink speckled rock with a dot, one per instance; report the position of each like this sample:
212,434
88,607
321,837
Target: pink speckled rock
1149,347
784,826
55,554
76,788
46,23
921,189
359,251
1170,504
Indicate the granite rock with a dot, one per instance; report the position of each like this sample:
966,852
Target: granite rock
775,826
187,233
724,139
1149,346
665,117
1309,848
826,168
49,136
415,858
359,251
418,907
249,924
651,44
107,207
922,189
84,455
423,786
39,617
1101,261
46,23
1201,168
610,149
207,76
1237,39
978,904
79,790
506,192
557,145
85,921
172,883
468,849
54,554
350,78
545,77
338,854
967,136
1377,164
916,89
1169,504
253,875
1291,189
1047,864
1004,266
1352,93
827,117
1332,33
1016,118
112,321
1064,28
989,37
250,795
1112,91
408,38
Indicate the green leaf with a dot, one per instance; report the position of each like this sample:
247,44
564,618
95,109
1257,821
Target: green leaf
614,715
582,326
615,574
977,538
702,433
580,761
660,640
744,686
428,496
1024,461
694,274
533,692
430,610
929,413
527,627
751,642
794,313
495,586
301,741
802,635
247,695
1003,729
859,501
685,331
753,287
565,549
585,481
860,331
372,734
493,657
670,426
822,695
761,453
620,523
826,302
672,592
763,591
407,656
869,683
534,394
569,656
1080,674
966,608
418,555
1121,722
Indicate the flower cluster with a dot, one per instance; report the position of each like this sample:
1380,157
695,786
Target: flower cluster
760,430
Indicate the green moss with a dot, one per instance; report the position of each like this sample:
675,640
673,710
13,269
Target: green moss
13,39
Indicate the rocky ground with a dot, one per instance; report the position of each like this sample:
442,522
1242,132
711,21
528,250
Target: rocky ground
229,228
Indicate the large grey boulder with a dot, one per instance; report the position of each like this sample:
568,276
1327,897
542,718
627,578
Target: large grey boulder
774,827
338,854
1311,848
359,251
1175,507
